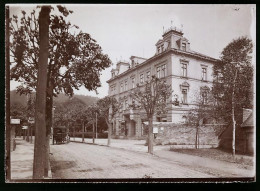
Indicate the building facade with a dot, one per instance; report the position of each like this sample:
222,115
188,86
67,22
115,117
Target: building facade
187,72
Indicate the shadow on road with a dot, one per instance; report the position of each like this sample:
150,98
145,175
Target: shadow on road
61,165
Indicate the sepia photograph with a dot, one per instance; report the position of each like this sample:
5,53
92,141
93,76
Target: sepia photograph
130,93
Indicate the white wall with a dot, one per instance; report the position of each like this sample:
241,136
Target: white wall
194,74
194,67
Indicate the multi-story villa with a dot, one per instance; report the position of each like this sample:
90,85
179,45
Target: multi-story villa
187,71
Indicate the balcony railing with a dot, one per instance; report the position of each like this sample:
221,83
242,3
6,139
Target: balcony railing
173,28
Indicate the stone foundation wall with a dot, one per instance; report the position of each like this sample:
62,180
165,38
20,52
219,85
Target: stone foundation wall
185,135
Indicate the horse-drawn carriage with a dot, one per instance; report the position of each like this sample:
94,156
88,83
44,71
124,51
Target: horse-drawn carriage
61,135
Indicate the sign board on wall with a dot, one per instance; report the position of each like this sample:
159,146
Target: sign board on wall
25,127
15,121
155,130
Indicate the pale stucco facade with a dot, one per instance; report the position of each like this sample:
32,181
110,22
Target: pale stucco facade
187,72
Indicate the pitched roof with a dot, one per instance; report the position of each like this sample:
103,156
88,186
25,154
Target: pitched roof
193,53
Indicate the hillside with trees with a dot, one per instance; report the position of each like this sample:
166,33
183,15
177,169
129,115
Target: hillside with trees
16,98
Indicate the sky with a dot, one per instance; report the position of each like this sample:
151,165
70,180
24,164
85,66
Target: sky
133,30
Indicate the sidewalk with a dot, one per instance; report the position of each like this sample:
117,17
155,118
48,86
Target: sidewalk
128,144
22,160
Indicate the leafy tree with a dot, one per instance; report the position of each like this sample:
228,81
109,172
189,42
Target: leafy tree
108,107
30,114
75,59
203,112
31,105
17,110
91,114
232,87
75,112
101,125
70,113
152,97
60,118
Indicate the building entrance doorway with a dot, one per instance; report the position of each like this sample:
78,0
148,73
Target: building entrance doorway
132,128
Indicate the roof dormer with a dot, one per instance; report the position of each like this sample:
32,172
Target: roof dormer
172,38
114,72
183,44
162,45
135,60
122,66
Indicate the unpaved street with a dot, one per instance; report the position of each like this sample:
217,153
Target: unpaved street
86,161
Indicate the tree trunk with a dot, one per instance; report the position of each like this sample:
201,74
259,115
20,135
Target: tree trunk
234,133
74,133
96,126
109,134
47,158
83,132
150,136
93,133
31,133
109,131
196,140
233,117
49,105
27,133
40,115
